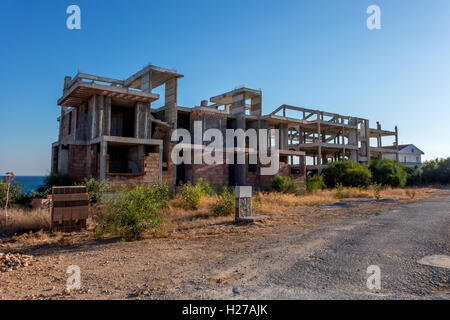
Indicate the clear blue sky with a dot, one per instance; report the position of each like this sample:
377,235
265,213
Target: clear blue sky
316,54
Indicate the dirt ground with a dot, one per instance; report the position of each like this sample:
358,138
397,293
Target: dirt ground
169,265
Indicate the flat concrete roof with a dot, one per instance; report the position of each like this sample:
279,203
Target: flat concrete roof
81,91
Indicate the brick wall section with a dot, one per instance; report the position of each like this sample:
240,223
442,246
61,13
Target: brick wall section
285,171
77,162
215,174
149,176
151,167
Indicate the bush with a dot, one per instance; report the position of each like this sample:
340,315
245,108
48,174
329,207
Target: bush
314,183
357,177
436,171
339,191
205,186
191,195
15,193
225,203
284,184
413,176
387,173
347,173
95,189
135,211
42,192
377,191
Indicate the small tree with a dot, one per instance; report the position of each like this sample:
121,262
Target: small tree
225,203
314,183
9,178
135,211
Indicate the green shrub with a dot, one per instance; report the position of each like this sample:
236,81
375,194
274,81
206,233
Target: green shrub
347,173
191,195
95,189
377,191
15,193
387,173
413,176
206,187
357,177
339,191
134,212
42,192
314,183
284,184
225,203
436,171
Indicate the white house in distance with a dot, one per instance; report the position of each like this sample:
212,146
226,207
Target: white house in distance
408,154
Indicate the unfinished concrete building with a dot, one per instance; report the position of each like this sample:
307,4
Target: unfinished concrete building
109,131
328,137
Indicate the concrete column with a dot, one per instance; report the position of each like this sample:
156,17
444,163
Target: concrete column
148,128
319,141
107,117
146,82
256,106
284,136
238,108
101,114
171,117
171,101
137,117
353,139
103,152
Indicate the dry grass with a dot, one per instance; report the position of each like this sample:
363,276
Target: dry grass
408,193
178,219
24,220
177,216
275,202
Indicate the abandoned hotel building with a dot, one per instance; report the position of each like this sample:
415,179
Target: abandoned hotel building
108,130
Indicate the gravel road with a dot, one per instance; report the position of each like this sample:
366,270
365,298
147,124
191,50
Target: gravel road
331,262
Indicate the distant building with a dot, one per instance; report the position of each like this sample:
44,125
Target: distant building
408,154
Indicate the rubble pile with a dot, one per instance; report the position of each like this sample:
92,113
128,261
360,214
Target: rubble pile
13,261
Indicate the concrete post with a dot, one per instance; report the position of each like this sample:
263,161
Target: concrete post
243,203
